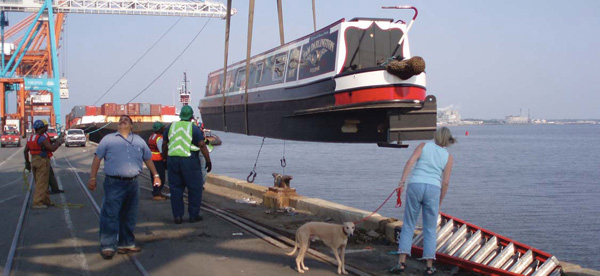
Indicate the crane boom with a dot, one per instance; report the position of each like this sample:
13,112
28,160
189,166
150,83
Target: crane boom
124,7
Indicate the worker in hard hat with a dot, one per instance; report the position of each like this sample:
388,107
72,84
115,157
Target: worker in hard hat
39,146
155,144
54,189
183,142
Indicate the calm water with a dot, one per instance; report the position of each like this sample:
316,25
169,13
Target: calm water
538,184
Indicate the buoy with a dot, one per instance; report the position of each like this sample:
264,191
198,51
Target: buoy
467,133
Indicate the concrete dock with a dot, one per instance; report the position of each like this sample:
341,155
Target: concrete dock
64,240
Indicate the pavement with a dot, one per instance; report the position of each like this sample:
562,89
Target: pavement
64,240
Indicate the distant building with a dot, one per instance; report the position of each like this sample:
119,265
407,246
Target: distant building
448,116
510,119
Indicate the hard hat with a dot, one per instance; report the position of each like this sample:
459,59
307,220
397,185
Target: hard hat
186,112
157,125
39,124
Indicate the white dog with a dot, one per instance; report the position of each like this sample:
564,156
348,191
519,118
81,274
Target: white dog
333,235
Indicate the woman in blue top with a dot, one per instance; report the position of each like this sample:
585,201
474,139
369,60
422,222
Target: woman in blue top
426,190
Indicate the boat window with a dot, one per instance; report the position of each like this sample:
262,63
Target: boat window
229,82
367,48
240,80
279,66
294,59
214,86
259,72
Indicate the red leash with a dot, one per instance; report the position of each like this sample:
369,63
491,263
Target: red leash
398,204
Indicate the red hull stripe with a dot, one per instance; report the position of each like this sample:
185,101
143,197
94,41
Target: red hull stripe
380,94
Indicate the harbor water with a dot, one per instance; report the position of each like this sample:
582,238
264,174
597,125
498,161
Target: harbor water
537,184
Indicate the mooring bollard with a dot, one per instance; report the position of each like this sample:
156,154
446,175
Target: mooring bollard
278,196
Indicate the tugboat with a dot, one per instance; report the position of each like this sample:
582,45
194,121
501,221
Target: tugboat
339,84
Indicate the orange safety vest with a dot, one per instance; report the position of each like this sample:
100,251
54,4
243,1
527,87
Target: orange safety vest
32,144
153,145
48,137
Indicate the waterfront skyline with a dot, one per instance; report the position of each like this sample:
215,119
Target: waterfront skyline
490,58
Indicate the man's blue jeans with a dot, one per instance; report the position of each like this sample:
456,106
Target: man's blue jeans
426,197
185,172
119,213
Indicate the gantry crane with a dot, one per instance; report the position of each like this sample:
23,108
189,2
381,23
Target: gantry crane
31,68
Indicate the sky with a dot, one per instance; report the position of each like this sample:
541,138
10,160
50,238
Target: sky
489,59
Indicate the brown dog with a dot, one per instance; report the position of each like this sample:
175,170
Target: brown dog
333,235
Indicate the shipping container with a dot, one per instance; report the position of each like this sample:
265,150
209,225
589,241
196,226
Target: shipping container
98,111
168,110
78,111
75,121
90,110
121,109
109,109
145,109
68,120
133,109
155,109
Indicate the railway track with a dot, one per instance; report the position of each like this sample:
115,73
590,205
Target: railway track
140,268
262,232
18,230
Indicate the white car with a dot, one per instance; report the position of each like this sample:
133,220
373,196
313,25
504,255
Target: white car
75,137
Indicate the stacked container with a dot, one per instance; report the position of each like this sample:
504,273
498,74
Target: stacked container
121,109
168,110
90,110
133,109
145,109
109,109
78,111
155,109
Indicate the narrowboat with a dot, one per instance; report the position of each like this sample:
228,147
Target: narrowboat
329,86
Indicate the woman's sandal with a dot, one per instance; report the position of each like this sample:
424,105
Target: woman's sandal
397,269
430,271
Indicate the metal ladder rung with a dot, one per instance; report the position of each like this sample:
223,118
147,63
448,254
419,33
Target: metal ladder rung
475,249
511,261
444,231
529,270
522,263
458,236
418,240
485,250
441,240
547,267
491,256
458,245
468,245
503,256
439,223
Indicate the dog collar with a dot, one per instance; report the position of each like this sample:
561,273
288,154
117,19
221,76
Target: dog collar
344,231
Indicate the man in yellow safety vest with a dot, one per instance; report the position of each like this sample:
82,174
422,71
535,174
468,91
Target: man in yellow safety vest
183,142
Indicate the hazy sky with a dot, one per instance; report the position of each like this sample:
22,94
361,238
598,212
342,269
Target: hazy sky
489,58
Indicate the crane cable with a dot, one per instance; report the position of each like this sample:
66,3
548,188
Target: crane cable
137,61
175,60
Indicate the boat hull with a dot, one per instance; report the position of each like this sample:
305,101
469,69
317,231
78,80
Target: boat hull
320,119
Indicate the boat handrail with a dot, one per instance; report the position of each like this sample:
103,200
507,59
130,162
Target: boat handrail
411,21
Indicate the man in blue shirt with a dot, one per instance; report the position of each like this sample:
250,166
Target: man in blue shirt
123,153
